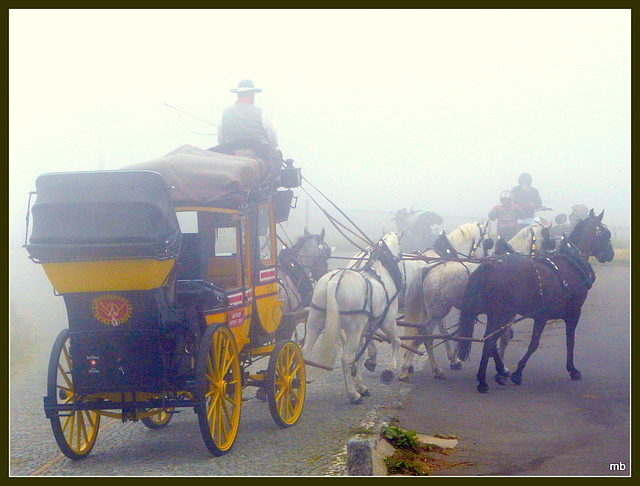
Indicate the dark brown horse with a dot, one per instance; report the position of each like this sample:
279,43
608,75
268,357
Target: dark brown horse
551,287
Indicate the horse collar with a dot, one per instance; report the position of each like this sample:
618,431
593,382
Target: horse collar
533,251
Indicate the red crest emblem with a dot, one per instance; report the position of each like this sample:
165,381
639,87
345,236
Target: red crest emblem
111,310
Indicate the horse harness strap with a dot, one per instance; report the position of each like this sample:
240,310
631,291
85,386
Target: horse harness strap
548,261
368,302
533,249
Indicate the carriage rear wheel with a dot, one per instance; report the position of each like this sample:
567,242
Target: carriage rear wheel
286,383
74,431
218,389
159,419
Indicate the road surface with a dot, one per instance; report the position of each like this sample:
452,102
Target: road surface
549,425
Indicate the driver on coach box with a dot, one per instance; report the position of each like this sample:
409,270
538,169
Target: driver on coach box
527,198
247,125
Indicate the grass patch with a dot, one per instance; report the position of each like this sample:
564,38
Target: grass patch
419,461
412,457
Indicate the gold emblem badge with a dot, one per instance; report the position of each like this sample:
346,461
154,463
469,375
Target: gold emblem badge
111,310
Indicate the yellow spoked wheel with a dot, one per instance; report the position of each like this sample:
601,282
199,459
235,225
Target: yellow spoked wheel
159,418
286,383
74,431
219,389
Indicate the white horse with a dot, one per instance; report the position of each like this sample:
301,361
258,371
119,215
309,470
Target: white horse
431,296
345,304
436,288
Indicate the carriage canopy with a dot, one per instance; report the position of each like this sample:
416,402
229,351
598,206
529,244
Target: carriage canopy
202,177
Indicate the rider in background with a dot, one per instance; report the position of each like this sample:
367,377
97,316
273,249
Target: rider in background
506,214
527,198
578,213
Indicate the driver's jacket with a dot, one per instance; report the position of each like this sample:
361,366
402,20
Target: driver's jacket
246,121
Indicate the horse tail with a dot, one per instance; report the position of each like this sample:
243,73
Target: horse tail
414,299
326,351
471,307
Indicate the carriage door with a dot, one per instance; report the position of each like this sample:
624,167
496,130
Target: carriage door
264,269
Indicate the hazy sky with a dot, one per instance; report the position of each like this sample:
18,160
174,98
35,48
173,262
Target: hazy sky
381,109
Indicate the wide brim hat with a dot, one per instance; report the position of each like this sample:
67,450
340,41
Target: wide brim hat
246,86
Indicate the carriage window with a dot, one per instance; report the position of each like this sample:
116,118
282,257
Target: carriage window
264,233
188,221
225,241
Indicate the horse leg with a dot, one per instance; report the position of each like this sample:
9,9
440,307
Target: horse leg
435,369
372,357
454,362
503,342
481,376
356,374
407,364
538,327
502,373
489,350
353,327
390,329
570,324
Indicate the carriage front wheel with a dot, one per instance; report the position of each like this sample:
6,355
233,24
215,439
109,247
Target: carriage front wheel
286,383
75,431
218,389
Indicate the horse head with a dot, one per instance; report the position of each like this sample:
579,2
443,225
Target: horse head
471,240
313,253
592,237
388,252
548,242
390,243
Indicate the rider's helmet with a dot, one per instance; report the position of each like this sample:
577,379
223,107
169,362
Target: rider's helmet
561,218
506,197
525,178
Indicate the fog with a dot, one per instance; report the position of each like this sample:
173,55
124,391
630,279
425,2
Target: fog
382,109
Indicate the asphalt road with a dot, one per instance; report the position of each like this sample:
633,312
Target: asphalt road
549,425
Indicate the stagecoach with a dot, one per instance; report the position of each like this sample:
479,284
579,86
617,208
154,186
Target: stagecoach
168,272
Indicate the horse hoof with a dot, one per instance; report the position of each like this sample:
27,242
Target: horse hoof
575,375
261,394
404,379
357,401
501,378
411,370
439,375
387,376
483,388
455,366
365,393
370,365
517,379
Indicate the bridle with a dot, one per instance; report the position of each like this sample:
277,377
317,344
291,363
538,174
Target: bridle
486,242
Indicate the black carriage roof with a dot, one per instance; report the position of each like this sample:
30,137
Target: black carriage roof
204,178
102,214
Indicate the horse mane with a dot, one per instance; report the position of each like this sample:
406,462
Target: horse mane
579,228
300,242
521,236
463,233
